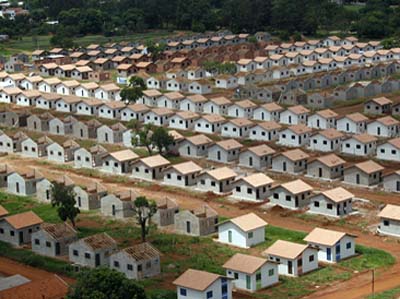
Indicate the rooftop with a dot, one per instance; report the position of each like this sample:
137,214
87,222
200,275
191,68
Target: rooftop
324,237
286,249
244,263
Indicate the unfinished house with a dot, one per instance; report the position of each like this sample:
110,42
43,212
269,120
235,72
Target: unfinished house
200,222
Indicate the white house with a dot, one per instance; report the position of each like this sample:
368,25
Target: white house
268,112
390,150
182,174
389,221
194,284
209,124
158,116
217,105
333,246
294,115
360,145
323,119
391,181
226,81
237,128
355,123
194,103
295,136
386,126
251,273
328,140
219,180
183,120
244,231
254,187
292,195
335,202
243,109
294,259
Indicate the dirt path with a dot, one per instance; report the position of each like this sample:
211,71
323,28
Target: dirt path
356,287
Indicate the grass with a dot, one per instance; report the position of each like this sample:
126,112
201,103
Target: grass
389,294
370,258
29,44
30,258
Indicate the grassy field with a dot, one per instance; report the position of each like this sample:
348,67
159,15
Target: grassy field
182,252
29,44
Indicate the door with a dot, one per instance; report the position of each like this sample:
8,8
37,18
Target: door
284,166
218,155
320,172
258,280
21,237
290,267
113,210
188,227
338,252
250,161
153,174
248,282
357,179
230,236
97,259
58,249
188,150
328,254
17,187
300,266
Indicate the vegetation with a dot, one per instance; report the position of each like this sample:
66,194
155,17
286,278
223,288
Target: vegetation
390,294
161,139
63,197
134,90
143,210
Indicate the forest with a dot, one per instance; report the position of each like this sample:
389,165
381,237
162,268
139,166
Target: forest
284,18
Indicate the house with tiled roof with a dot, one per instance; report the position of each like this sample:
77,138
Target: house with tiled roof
294,259
386,126
119,162
137,262
268,112
389,150
333,246
149,168
224,151
322,119
93,251
237,128
291,161
328,167
367,173
391,181
354,123
218,180
195,146
182,174
335,202
295,136
201,284
218,105
254,187
251,273
209,123
257,157
294,115
381,105
389,220
53,239
359,145
17,229
293,195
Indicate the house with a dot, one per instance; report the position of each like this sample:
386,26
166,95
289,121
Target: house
328,167
135,111
333,246
389,220
47,101
268,112
328,140
294,259
294,115
119,205
224,151
93,251
219,180
258,157
226,81
209,124
244,109
53,239
354,123
323,119
217,105
150,97
381,105
62,153
183,120
108,92
39,123
63,126
295,136
86,130
137,262
35,148
170,100
291,161
367,173
200,284
158,116
293,195
237,128
111,134
195,146
182,174
119,162
150,168
199,222
27,98
5,171
23,183
86,90
386,126
88,197
250,273
89,158
201,86
391,181
193,103
335,202
17,229
111,110
11,144
13,119
389,150
254,187
165,214
360,145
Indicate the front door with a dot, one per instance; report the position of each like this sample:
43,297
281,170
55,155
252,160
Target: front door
188,227
188,150
328,254
338,252
21,237
97,259
58,249
248,282
320,172
357,179
284,166
258,280
153,174
230,236
218,155
250,161
290,267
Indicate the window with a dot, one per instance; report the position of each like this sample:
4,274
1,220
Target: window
87,255
329,206
237,188
271,272
386,222
75,252
48,244
276,196
37,242
129,267
209,294
250,235
12,233
236,275
116,264
183,292
348,245
311,258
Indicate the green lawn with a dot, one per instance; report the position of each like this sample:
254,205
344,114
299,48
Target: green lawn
390,294
29,44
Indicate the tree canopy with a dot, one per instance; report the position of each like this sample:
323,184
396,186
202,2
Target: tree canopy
63,197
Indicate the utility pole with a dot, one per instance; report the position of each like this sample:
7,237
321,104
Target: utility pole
373,283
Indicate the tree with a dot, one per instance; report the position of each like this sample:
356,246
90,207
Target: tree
143,137
104,283
143,210
134,90
63,197
215,67
161,139
155,49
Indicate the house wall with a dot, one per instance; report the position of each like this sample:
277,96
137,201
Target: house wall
87,201
328,173
172,177
244,191
240,238
55,152
279,162
6,144
81,249
215,288
113,166
391,183
307,265
354,147
249,159
327,207
198,226
388,152
83,159
218,154
43,192
29,148
203,126
230,130
345,252
47,245
289,138
207,183
280,196
16,184
188,149
141,171
258,133
389,227
122,209
11,235
322,144
348,126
